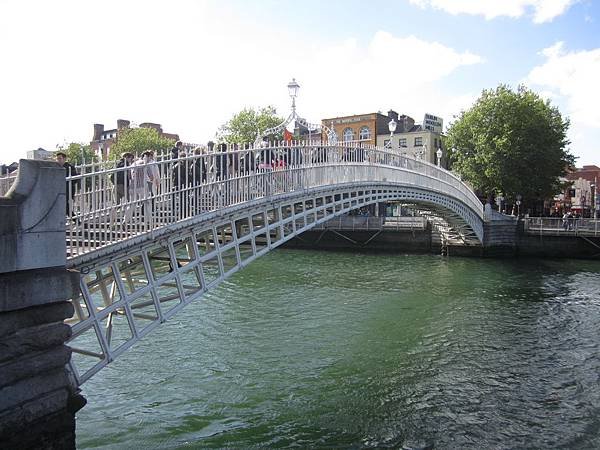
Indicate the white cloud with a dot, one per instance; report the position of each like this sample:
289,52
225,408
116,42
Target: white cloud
572,78
181,67
543,10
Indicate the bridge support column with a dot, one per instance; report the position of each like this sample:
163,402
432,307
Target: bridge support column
37,399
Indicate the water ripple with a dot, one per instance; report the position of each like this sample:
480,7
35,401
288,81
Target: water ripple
322,350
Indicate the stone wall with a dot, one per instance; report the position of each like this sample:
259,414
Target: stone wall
411,241
38,400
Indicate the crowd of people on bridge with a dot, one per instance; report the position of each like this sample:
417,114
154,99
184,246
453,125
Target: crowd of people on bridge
138,181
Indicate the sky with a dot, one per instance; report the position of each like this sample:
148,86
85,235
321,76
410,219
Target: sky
191,65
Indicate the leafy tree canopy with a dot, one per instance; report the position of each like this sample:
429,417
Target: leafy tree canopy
76,153
512,143
244,126
137,141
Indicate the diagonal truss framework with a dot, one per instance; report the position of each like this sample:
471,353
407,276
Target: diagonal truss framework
178,244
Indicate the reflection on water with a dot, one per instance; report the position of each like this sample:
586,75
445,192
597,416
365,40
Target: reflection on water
325,350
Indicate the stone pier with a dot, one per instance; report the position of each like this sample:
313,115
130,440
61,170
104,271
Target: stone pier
38,399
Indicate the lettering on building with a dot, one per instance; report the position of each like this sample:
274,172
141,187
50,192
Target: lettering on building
433,123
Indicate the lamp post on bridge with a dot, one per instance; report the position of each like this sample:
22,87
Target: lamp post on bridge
293,88
293,118
518,202
392,127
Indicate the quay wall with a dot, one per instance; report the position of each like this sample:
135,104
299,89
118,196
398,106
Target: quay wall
505,239
38,400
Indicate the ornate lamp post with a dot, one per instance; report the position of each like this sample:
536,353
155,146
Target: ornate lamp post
518,202
293,88
392,127
439,156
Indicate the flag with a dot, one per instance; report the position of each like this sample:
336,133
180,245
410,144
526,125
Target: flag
288,132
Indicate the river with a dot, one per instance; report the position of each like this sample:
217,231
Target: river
307,349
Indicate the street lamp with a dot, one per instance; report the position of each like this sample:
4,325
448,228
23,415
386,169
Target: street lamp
439,156
518,202
392,127
293,88
593,200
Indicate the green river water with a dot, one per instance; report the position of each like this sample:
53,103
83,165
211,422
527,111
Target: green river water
307,349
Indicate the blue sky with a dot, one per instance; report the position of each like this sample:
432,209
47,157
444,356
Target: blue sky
190,65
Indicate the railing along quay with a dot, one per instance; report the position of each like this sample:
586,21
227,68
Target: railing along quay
558,226
156,194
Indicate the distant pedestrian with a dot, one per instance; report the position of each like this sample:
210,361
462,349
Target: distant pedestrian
565,221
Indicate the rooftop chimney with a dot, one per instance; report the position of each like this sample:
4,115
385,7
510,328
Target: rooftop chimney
98,130
122,124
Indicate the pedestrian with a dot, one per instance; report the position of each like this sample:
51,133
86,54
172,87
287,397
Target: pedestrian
197,177
138,190
565,221
122,178
175,150
152,177
221,162
180,181
70,171
198,167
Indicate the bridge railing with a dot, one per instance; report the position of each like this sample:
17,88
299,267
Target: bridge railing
107,204
566,226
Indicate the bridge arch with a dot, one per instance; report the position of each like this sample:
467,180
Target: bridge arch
130,286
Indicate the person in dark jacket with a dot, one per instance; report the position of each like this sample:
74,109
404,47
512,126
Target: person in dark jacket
180,178
175,150
221,162
122,179
70,171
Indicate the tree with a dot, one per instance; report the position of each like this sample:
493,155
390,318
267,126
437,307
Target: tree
76,153
246,125
137,141
512,143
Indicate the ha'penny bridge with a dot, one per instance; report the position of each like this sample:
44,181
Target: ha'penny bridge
143,257
140,242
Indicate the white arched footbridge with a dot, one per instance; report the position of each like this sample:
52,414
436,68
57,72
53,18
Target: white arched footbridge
177,227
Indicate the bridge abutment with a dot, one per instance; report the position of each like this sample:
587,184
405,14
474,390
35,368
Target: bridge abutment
38,400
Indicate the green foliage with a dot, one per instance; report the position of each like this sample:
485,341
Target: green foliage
244,126
76,152
137,141
511,142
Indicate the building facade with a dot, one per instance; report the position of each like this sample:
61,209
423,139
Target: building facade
40,154
419,141
581,196
103,139
362,128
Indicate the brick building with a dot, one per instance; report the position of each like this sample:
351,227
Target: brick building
103,139
582,193
362,128
420,141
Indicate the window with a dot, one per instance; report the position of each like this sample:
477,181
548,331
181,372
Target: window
386,143
348,135
364,134
418,142
402,142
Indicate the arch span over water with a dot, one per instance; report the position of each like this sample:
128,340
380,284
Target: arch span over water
191,235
